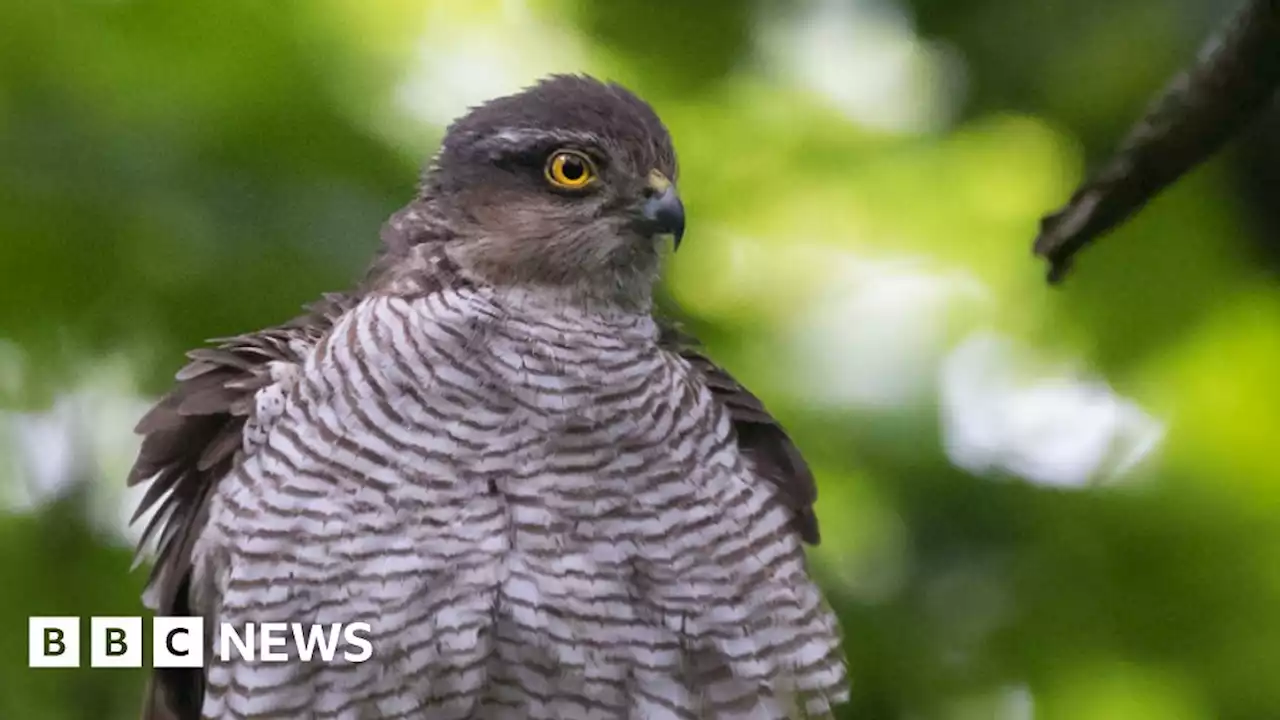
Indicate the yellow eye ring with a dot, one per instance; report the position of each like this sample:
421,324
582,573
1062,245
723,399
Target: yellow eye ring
570,169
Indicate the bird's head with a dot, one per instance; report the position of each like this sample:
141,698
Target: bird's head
569,183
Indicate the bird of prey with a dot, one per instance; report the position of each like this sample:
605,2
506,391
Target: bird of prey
546,502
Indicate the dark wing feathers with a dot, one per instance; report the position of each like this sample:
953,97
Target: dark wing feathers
759,435
191,438
192,435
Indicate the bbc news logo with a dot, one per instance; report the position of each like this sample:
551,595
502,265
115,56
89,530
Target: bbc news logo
180,642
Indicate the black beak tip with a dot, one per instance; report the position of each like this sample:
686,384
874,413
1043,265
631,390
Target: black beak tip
664,213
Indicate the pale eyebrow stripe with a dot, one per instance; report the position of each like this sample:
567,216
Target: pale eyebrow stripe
511,138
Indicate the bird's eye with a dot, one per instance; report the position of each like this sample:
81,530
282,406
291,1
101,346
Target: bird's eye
570,169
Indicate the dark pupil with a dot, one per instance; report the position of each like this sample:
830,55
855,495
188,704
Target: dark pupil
572,169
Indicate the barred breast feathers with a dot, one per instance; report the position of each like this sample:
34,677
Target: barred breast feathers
760,436
219,409
227,396
193,437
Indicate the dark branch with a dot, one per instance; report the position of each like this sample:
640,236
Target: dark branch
1233,79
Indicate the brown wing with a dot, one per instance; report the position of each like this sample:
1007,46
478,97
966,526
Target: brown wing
759,434
191,438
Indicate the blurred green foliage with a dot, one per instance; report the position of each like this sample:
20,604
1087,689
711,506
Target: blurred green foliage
171,172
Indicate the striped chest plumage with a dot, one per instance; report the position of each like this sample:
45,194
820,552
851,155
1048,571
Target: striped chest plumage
541,514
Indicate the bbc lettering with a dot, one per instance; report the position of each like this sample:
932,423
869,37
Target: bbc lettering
181,642
53,642
177,642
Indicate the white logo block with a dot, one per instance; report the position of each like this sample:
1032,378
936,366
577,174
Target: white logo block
177,642
53,642
115,642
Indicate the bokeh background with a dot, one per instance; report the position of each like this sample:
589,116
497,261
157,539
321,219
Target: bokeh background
1037,503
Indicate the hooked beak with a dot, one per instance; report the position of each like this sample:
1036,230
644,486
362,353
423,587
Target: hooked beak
662,211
